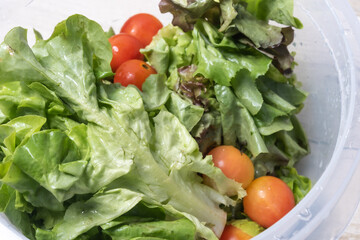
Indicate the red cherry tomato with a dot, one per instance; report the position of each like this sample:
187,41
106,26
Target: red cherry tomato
268,199
143,26
234,164
124,47
133,72
233,233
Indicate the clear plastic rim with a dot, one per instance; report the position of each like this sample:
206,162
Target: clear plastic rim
347,124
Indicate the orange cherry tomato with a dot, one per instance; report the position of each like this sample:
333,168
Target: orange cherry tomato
233,233
268,199
143,26
234,164
124,47
133,72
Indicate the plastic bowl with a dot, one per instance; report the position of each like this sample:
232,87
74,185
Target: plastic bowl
328,54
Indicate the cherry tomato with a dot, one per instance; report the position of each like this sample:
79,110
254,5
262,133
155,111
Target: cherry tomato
234,164
233,233
124,47
268,199
133,72
143,26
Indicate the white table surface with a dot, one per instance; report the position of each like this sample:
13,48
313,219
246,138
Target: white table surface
352,232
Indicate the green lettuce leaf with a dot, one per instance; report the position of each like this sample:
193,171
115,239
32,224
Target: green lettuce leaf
300,185
84,33
157,96
24,127
16,100
155,93
17,217
237,123
99,209
48,218
188,114
273,99
56,165
142,212
31,190
288,92
247,92
267,115
259,32
22,205
266,163
17,133
228,14
291,145
208,132
280,11
247,226
5,196
177,230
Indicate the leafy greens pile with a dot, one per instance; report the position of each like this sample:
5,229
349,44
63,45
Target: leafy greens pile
81,158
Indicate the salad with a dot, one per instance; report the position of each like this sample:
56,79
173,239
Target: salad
187,131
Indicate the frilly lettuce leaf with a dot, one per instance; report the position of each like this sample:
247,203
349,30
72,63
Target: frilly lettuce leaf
300,185
56,166
170,49
280,11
